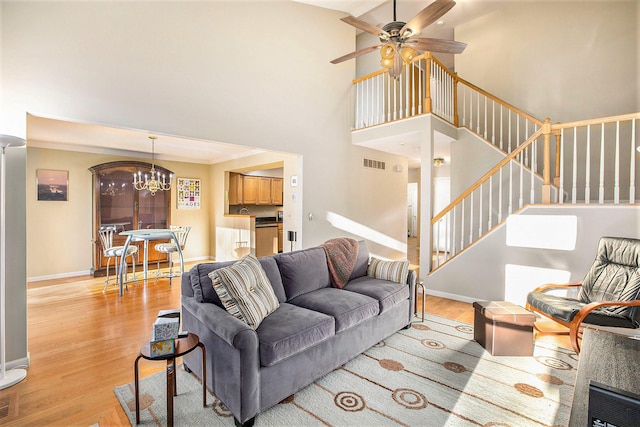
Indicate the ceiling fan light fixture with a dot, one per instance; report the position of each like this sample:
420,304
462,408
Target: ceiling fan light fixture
386,63
408,53
398,65
387,51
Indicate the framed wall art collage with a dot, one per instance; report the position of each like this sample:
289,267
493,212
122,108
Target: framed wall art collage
189,191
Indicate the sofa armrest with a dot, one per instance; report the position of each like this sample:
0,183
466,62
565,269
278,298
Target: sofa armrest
232,330
233,356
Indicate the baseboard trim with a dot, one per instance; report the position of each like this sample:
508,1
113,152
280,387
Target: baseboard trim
59,276
454,297
88,272
23,362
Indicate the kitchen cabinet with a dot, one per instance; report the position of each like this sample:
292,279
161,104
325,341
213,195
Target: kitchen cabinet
250,190
117,204
266,241
276,191
235,188
264,191
254,190
280,237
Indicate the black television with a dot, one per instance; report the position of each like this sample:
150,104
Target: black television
612,407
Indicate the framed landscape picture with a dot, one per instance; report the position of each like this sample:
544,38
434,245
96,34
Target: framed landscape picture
188,193
52,185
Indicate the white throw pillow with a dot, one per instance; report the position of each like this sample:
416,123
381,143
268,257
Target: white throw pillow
245,290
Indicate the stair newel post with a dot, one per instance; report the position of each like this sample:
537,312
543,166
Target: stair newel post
546,171
455,99
427,83
556,175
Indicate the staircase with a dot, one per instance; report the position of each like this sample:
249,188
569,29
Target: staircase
582,163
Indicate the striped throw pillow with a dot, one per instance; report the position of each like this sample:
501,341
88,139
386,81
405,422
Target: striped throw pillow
245,290
394,271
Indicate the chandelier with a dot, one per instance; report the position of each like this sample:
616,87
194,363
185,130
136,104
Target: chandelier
154,181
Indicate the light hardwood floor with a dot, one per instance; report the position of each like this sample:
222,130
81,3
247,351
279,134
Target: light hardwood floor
82,343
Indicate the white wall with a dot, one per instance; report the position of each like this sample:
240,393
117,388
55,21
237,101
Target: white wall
563,60
493,270
16,262
638,56
253,73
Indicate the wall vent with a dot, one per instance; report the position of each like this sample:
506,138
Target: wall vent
375,164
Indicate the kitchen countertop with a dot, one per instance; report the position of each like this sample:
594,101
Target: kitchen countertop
268,221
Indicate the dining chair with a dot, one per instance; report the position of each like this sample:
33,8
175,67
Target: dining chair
110,251
181,232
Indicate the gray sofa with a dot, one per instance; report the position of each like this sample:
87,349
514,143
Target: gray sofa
316,329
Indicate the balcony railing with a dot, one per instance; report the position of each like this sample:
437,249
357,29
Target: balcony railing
588,161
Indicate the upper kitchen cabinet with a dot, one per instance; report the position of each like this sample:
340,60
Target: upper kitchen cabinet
264,191
249,190
235,188
254,190
276,191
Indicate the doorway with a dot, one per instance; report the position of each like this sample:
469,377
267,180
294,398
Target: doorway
412,209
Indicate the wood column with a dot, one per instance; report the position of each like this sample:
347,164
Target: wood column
427,83
556,175
546,172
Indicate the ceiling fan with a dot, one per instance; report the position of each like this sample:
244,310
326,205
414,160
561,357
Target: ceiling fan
398,43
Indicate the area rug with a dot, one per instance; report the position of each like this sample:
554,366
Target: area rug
433,374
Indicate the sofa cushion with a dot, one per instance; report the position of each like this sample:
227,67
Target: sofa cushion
386,292
395,271
347,308
203,287
362,263
303,271
245,290
566,309
290,330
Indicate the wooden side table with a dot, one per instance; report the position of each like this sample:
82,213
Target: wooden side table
182,346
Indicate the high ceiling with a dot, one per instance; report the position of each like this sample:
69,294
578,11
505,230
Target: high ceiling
61,134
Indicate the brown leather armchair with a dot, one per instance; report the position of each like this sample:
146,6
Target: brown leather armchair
609,294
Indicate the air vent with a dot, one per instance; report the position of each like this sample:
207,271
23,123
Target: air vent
375,164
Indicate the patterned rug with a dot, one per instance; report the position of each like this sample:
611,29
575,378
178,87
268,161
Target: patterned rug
432,374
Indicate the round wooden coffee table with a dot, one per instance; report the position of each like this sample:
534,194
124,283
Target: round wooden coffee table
182,346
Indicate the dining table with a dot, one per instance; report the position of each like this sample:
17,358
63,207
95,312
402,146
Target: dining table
145,235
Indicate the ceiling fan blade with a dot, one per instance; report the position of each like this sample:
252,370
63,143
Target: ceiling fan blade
355,54
364,26
428,16
437,45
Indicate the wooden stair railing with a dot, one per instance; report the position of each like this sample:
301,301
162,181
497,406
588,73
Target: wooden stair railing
608,146
505,188
592,161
